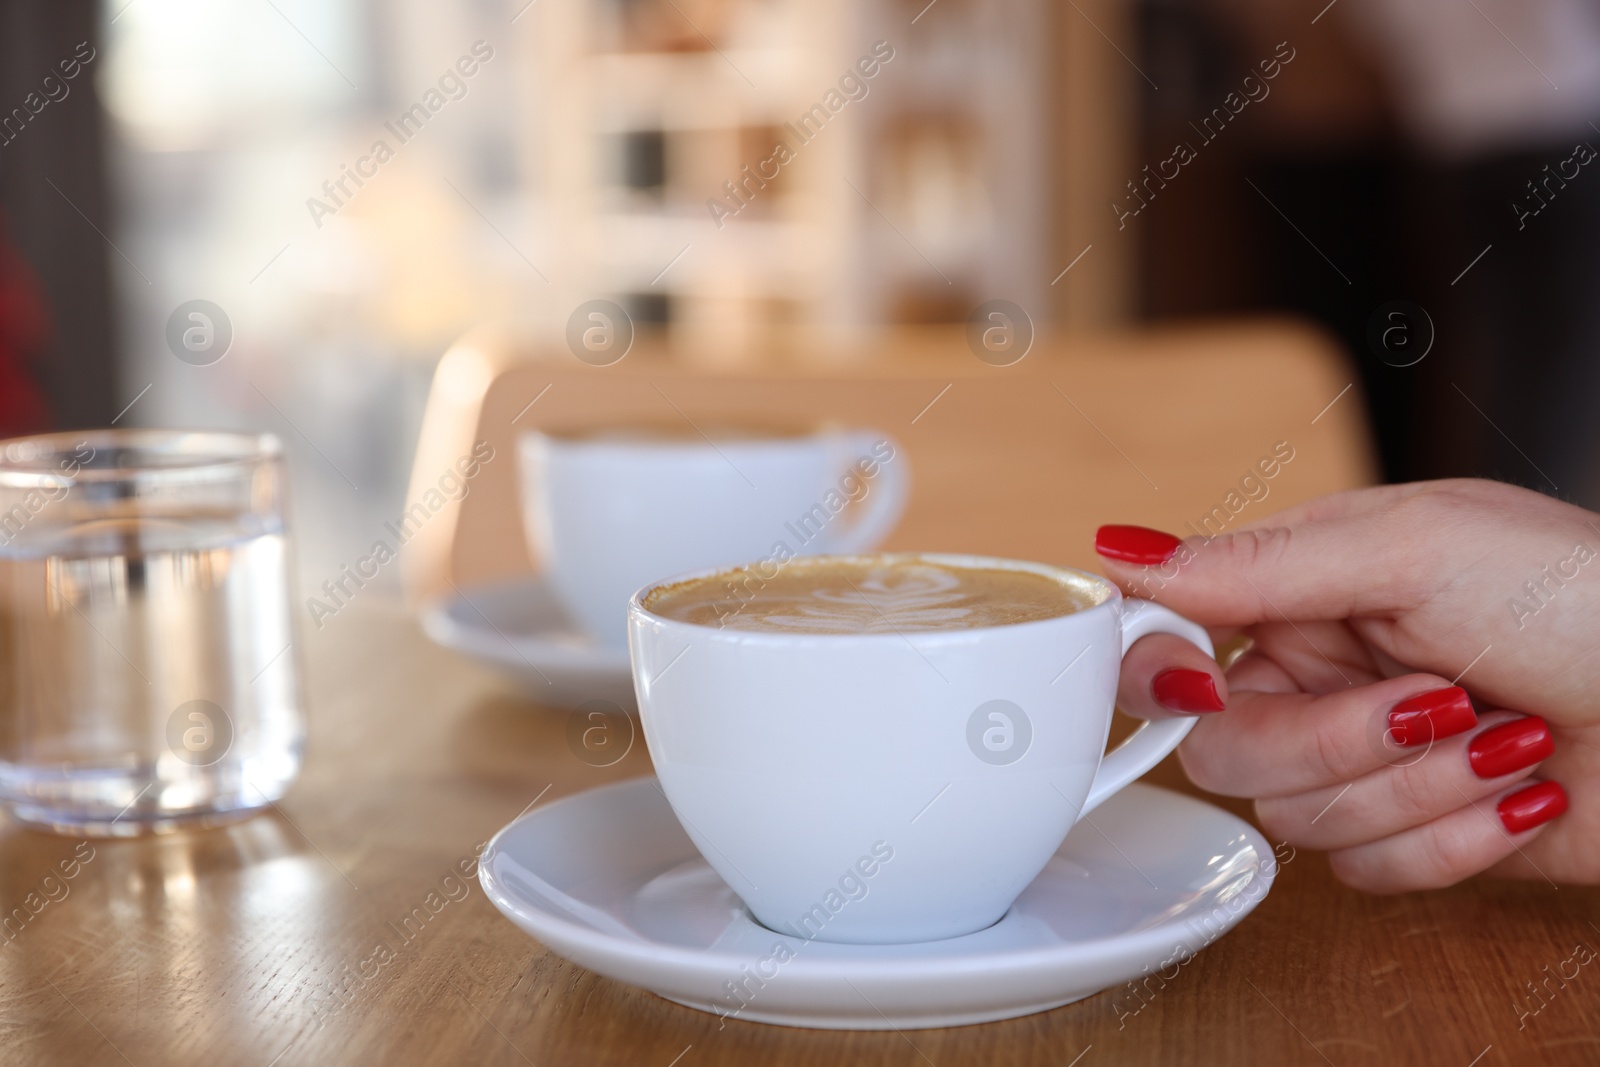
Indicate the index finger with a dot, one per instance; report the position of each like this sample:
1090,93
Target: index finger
1328,569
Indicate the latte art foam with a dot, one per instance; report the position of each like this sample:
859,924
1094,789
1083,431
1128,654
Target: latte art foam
869,595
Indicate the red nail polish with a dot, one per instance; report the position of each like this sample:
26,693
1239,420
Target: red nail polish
1135,544
1432,716
1181,689
1533,806
1509,747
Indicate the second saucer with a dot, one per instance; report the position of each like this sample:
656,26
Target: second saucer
518,628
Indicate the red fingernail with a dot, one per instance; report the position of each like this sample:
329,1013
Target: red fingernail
1533,806
1510,747
1432,716
1135,544
1184,690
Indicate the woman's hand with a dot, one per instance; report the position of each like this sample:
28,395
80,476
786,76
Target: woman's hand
1344,722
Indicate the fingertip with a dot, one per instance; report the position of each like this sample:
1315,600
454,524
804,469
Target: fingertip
1532,806
1138,545
1191,691
1432,715
1164,675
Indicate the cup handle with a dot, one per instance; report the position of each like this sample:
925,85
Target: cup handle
1150,743
885,501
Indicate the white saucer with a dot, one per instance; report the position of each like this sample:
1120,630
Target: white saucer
518,627
608,879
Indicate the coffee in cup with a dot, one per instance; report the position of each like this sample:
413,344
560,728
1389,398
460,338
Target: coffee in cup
873,595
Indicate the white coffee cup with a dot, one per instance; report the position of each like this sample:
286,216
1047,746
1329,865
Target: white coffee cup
893,787
608,511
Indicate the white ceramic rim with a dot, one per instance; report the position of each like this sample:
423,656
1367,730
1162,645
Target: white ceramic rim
1112,597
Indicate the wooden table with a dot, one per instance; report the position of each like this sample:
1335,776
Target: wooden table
236,946
280,940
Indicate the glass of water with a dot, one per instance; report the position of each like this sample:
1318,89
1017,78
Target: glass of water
148,673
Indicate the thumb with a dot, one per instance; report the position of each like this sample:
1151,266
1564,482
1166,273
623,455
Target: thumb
1310,570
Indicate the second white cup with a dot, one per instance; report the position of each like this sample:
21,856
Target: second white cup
610,510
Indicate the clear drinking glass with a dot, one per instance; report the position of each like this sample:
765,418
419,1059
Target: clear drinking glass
148,673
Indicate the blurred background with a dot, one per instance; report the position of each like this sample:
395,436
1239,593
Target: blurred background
354,183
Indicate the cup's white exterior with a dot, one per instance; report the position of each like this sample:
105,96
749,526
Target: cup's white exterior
608,515
791,758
